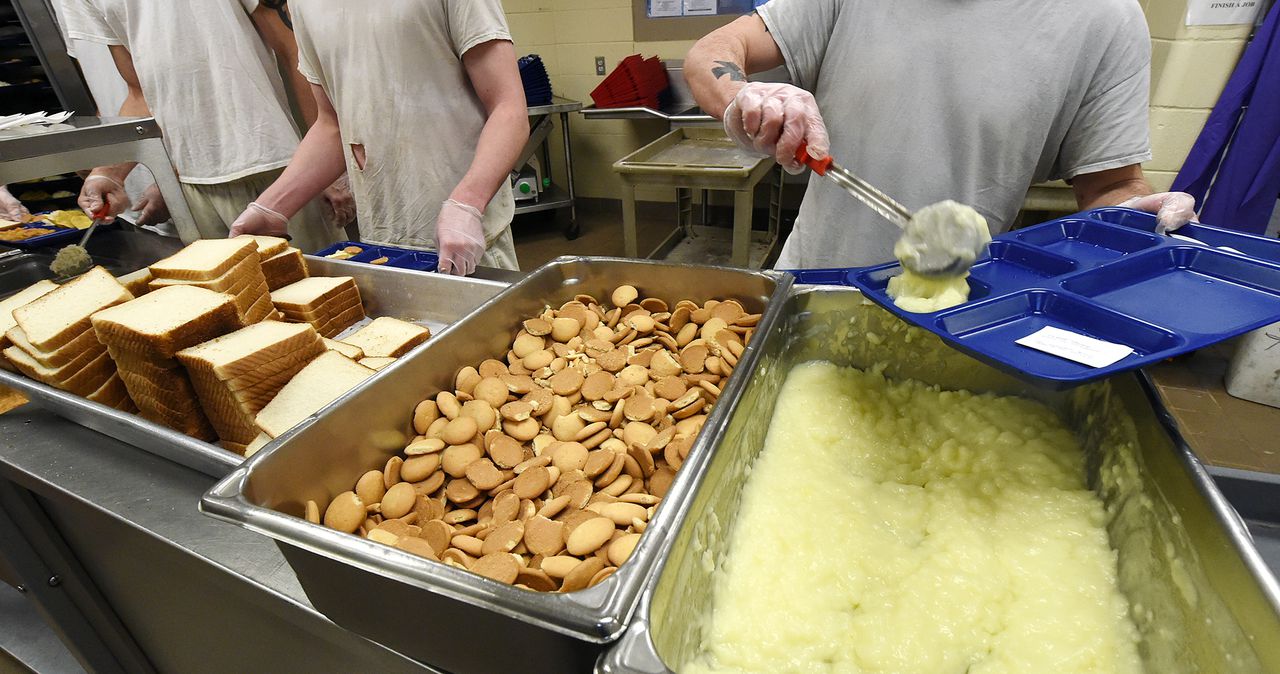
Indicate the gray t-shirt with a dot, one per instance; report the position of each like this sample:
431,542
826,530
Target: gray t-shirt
972,100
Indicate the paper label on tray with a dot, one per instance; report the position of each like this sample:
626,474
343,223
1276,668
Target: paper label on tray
1076,347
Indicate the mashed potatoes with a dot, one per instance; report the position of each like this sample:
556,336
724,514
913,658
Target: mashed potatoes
890,527
922,294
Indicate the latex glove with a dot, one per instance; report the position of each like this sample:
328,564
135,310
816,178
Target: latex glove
1172,209
342,205
774,119
99,188
459,237
151,207
260,220
10,207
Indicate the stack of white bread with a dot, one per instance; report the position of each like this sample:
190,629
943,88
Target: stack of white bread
144,337
384,340
53,339
321,382
236,375
283,268
231,266
330,304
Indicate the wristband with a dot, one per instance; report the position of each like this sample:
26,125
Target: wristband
269,213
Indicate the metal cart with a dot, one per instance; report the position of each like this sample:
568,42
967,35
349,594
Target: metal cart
556,196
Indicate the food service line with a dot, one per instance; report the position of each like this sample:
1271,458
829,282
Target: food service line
202,578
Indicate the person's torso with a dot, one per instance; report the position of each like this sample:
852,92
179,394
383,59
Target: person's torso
211,84
936,100
401,92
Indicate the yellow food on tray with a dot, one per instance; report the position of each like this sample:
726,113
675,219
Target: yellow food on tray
75,219
24,233
894,527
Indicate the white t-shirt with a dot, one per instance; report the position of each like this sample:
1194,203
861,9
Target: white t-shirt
211,83
972,101
393,70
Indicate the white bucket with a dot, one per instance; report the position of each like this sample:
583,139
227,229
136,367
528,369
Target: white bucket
1255,370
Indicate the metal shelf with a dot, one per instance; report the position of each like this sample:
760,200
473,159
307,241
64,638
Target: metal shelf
553,198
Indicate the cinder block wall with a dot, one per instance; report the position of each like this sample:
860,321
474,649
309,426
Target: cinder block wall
569,35
1189,68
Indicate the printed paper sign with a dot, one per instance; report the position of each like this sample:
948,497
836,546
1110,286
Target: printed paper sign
1076,347
660,8
699,7
1222,12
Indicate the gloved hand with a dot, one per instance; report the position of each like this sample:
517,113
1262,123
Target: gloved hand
99,188
342,205
10,207
773,119
151,207
459,237
260,220
1172,209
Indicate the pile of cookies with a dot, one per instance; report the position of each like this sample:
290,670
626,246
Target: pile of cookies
543,469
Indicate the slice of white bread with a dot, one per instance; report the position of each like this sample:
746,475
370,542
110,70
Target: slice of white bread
166,321
387,337
113,394
87,341
376,363
334,326
348,350
205,259
322,381
268,246
309,293
283,269
23,297
80,380
260,309
330,308
62,315
246,272
251,348
257,444
137,282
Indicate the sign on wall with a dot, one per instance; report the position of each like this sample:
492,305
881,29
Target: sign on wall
1222,12
670,8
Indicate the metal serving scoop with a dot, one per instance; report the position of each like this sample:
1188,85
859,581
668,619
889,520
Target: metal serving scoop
933,260
74,260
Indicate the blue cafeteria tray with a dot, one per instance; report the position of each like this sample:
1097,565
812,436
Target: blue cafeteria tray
61,237
401,258
1105,274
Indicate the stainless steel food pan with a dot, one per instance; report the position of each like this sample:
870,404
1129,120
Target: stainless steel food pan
432,299
1208,604
440,615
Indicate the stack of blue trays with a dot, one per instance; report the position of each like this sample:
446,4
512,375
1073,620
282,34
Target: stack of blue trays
1103,274
400,258
537,84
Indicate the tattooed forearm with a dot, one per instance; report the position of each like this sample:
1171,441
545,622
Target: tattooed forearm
282,8
733,70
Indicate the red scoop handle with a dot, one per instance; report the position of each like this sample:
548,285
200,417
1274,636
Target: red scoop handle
819,166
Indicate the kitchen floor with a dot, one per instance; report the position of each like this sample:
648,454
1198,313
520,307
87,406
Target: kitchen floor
540,236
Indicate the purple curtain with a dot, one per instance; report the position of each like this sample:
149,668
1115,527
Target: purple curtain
1236,159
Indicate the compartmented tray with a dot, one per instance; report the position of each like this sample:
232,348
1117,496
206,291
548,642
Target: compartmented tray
399,258
64,236
1103,274
433,300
